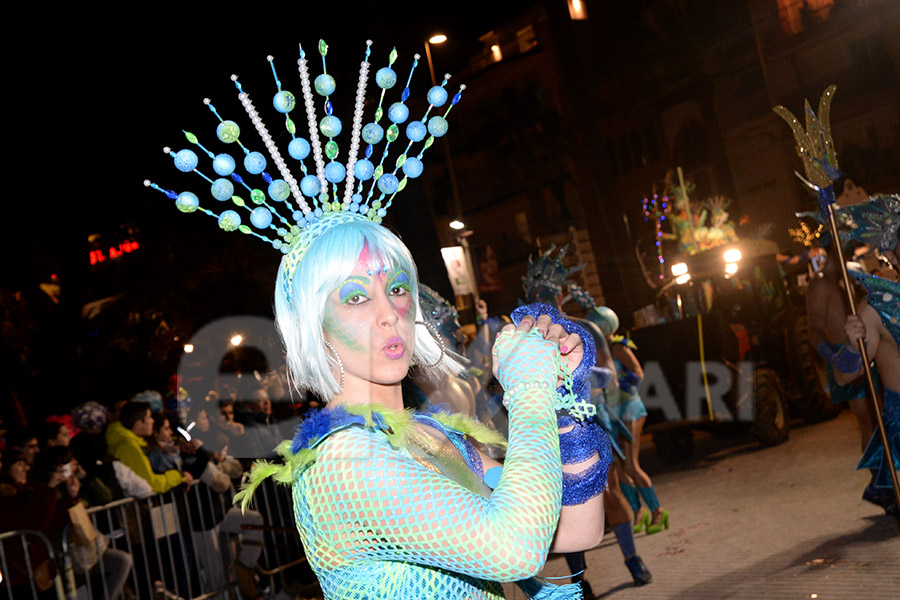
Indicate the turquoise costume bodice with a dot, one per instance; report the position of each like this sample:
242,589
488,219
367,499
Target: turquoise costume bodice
384,509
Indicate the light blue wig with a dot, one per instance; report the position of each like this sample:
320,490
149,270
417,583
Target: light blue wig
326,264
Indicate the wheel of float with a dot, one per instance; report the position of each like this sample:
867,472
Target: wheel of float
770,415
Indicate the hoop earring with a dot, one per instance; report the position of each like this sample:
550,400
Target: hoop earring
337,357
437,338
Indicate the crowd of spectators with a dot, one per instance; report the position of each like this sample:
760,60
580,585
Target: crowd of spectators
139,448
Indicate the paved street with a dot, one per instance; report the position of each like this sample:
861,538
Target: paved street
752,522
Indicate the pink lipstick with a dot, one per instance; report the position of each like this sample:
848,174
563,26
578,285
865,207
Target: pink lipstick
394,348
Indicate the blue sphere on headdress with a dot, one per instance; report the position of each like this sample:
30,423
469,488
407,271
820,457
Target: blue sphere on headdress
187,202
186,161
398,112
372,133
437,96
437,126
298,148
223,165
284,101
324,84
229,220
228,131
364,169
255,163
413,167
310,186
416,131
279,190
222,189
335,172
261,217
330,126
386,78
387,183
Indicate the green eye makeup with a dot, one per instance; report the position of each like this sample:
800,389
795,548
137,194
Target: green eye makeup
353,287
400,279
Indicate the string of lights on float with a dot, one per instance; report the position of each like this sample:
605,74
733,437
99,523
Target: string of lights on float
658,209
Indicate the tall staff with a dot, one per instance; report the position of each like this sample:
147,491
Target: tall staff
816,148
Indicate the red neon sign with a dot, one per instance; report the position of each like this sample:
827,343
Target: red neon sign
126,247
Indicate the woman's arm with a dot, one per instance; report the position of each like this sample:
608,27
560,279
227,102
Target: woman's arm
581,526
866,326
370,502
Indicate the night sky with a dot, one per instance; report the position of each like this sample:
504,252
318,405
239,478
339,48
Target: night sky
99,93
94,95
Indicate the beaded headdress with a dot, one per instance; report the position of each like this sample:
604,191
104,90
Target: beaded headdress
314,203
876,221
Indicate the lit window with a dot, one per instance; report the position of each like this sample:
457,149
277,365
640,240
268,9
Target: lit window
795,14
577,10
496,54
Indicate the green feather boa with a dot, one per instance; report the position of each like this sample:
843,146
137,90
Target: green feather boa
399,423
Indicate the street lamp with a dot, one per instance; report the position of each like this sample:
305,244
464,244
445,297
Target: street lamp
456,224
438,38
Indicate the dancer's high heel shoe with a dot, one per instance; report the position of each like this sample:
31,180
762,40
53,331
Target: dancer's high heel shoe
643,523
663,524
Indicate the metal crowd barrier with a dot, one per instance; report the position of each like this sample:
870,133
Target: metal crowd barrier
179,545
10,542
282,548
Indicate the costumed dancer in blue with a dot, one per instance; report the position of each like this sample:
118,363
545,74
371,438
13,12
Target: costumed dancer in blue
457,392
544,282
879,324
465,393
629,408
874,223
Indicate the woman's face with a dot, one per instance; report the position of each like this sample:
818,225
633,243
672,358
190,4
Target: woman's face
228,413
370,320
18,472
164,435
202,421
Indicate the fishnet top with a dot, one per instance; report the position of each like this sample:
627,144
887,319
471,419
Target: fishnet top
376,523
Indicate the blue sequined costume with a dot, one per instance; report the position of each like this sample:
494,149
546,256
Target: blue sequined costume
884,297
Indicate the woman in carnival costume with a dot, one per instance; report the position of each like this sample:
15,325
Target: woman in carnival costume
878,323
875,224
629,408
545,281
388,503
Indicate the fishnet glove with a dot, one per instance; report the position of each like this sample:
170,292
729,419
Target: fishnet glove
525,360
